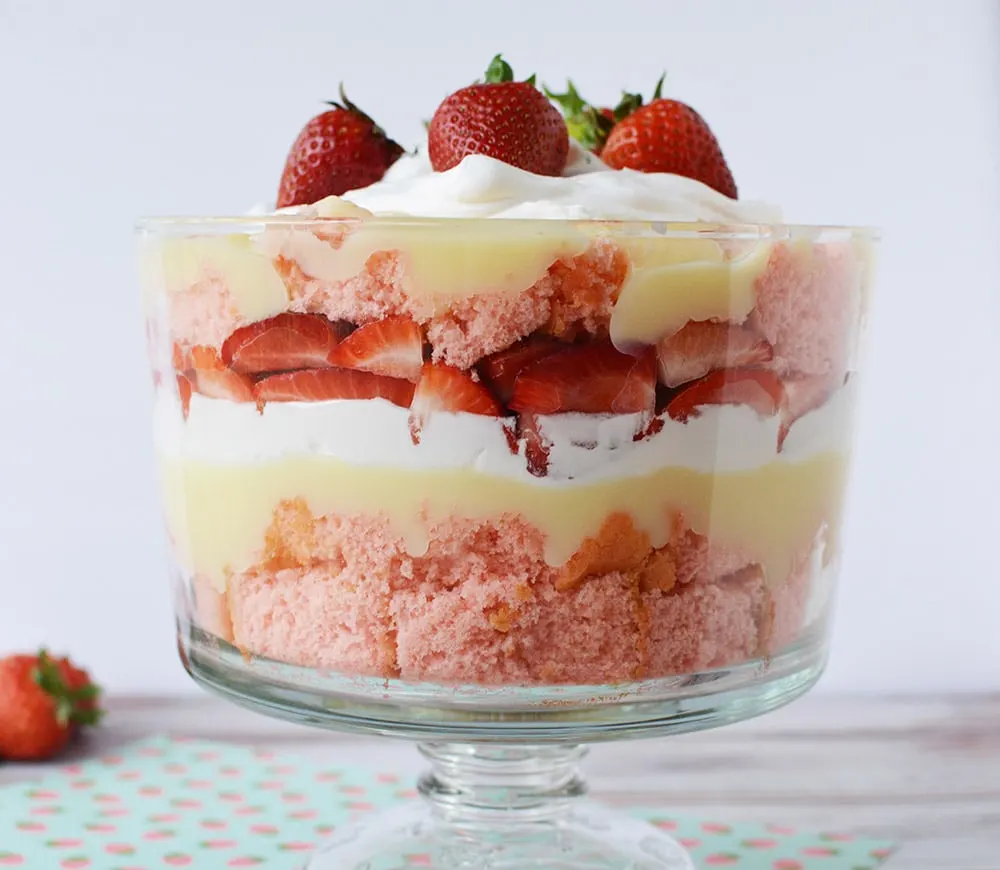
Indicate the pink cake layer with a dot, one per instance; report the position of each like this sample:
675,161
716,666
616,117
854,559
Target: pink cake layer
482,606
805,305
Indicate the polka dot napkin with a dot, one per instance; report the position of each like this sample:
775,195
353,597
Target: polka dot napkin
172,803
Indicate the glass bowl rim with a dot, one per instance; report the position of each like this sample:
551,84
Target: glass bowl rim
657,229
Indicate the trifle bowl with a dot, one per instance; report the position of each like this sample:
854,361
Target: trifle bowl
505,487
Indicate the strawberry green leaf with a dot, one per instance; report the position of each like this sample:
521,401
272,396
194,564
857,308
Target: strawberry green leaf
499,71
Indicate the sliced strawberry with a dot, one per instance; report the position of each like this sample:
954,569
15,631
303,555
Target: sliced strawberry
393,347
501,369
319,385
443,388
181,358
759,388
222,384
593,379
184,393
536,448
702,346
803,394
284,342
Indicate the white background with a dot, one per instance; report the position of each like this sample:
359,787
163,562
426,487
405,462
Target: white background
880,113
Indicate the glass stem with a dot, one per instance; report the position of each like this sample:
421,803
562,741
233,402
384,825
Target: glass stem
470,782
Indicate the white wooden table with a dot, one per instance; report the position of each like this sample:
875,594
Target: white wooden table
923,772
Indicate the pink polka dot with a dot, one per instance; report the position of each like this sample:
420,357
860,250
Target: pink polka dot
265,754
837,838
45,811
81,783
74,863
73,769
150,791
324,830
230,796
407,793
198,783
151,752
263,829
32,827
296,846
230,771
128,775
352,789
293,797
820,851
880,853
218,844
303,814
119,849
271,785
64,843
784,830
178,859
245,861
9,859
720,859
42,795
114,812
112,760
759,843
164,818
689,842
186,803
361,806
247,811
214,824
174,767
788,864
106,798
281,769
387,777
207,756
715,828
664,824
327,776
418,860
102,828
162,834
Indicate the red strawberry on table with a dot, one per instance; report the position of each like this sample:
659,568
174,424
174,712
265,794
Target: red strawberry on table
392,346
501,118
592,379
668,136
339,150
319,385
443,388
700,347
43,701
501,369
759,388
284,342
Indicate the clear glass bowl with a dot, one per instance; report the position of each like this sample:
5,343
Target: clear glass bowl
503,488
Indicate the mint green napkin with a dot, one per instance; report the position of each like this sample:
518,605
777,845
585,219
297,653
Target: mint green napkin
176,803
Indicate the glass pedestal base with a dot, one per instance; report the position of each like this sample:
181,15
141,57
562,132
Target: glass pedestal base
502,807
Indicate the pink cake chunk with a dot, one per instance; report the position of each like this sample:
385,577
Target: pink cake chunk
707,625
575,295
482,605
807,304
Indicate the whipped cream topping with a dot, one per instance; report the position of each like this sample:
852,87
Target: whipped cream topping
482,187
584,447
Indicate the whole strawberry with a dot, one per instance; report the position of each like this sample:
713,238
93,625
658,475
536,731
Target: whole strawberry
668,136
339,150
501,118
43,701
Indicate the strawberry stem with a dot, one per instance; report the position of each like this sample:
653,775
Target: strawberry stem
587,124
72,706
658,90
499,71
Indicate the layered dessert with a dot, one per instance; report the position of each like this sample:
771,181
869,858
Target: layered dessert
507,410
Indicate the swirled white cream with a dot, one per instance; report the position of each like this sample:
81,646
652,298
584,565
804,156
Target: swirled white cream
584,447
481,187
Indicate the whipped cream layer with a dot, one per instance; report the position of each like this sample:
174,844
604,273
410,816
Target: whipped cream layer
482,187
584,447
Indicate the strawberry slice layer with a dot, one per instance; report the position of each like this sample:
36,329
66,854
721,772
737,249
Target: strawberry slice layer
392,347
443,388
536,447
284,342
319,385
762,390
501,369
700,347
803,394
591,379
